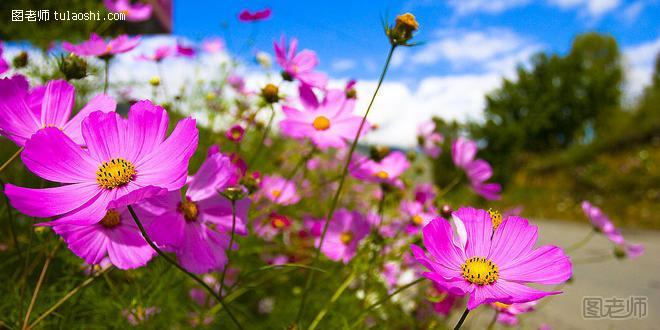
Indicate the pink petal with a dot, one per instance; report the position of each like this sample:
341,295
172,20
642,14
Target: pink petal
49,202
514,237
545,265
146,129
104,136
57,103
479,230
101,102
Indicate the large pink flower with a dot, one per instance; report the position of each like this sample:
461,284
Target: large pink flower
23,111
491,265
387,170
345,231
4,66
299,66
98,47
197,227
135,12
259,15
331,124
478,171
122,155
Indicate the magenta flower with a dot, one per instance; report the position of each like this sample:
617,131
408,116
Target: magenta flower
259,15
495,269
235,133
98,47
159,54
4,66
299,66
25,111
135,12
213,45
329,125
196,228
185,51
444,301
478,171
417,216
122,156
603,224
237,82
429,139
345,232
116,236
508,314
425,193
279,190
388,170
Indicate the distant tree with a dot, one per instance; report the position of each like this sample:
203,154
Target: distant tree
557,101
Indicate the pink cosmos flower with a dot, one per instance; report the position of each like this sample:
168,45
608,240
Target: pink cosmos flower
259,15
444,301
425,193
185,51
345,232
388,170
196,228
478,171
139,314
491,265
115,236
417,216
429,139
26,111
331,124
98,47
135,12
299,66
159,54
603,224
508,314
235,133
4,66
213,45
122,156
237,82
279,190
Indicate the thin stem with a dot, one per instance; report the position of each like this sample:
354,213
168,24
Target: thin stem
191,275
335,199
67,296
37,288
12,225
579,244
491,325
592,260
449,187
161,76
107,73
257,153
460,322
11,159
231,243
332,300
381,301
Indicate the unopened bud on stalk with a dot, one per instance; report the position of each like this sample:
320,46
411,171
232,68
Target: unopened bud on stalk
72,67
20,60
377,153
446,211
154,81
351,93
270,93
233,193
403,29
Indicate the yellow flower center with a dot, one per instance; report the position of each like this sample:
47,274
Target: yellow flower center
278,223
382,175
417,220
321,123
114,173
276,193
495,218
479,270
111,219
346,237
189,210
236,134
501,305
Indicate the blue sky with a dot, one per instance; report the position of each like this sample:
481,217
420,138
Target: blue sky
348,38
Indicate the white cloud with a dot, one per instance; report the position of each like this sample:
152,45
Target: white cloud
462,7
639,61
343,64
630,13
592,8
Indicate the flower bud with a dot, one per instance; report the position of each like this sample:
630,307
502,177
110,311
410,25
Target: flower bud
377,153
270,93
154,81
446,211
72,67
20,60
403,29
351,93
233,193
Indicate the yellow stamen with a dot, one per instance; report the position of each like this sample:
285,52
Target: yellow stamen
501,305
276,193
479,270
382,175
495,218
346,237
321,123
417,220
111,219
114,173
189,210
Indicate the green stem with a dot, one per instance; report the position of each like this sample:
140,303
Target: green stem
332,300
491,325
12,225
176,264
37,288
257,153
335,199
460,322
381,301
592,260
66,297
579,244
449,187
11,159
107,73
231,243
